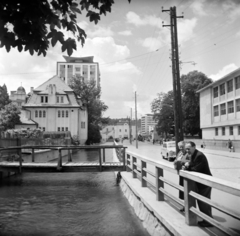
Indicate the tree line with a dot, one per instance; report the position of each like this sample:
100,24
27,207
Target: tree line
163,105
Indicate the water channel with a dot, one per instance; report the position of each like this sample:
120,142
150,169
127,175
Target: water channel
65,204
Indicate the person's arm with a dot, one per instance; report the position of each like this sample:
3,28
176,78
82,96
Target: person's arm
198,165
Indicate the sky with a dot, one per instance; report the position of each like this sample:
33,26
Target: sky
133,50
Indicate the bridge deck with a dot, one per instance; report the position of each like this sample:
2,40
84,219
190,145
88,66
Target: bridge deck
66,166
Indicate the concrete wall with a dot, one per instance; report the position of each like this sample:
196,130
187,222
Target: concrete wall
44,155
205,108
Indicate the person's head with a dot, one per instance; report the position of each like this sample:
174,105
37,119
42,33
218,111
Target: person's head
190,147
181,145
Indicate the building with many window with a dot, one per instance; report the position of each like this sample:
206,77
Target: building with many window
53,106
220,108
147,124
78,66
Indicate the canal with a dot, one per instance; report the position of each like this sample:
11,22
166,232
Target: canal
66,204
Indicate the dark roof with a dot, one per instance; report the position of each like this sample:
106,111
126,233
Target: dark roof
79,59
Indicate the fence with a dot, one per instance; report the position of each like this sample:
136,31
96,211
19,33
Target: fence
100,148
145,170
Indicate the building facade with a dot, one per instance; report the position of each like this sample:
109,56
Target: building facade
53,106
220,108
18,97
120,130
78,66
147,124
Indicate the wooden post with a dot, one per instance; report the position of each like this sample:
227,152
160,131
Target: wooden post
189,201
159,184
103,154
124,159
33,155
128,163
100,160
143,173
59,167
69,156
134,167
20,160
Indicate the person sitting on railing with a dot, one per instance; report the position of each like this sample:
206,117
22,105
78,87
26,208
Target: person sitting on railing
199,163
181,159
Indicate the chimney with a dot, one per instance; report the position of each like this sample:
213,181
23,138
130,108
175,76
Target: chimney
31,89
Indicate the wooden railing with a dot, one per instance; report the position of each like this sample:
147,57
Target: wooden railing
141,166
100,148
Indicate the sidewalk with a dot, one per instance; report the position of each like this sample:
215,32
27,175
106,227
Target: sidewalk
219,152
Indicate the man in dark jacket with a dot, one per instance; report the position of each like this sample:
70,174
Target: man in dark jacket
199,163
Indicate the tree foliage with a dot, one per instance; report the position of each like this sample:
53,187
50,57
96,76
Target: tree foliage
190,84
162,107
9,116
90,94
33,25
4,97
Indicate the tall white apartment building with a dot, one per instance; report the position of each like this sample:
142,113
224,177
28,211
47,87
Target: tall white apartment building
147,123
79,66
220,108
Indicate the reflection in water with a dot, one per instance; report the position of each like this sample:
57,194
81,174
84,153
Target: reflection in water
66,204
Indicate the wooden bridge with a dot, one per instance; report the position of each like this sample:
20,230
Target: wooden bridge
67,166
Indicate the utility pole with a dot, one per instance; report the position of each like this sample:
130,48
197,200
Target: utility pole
179,96
130,126
136,119
176,76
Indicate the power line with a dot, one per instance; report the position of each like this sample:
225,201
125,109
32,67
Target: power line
108,63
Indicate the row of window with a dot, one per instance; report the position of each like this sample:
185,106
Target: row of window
43,113
64,129
59,99
63,113
59,129
44,99
224,131
40,113
229,87
118,130
230,108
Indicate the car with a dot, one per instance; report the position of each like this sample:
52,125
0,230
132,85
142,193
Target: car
168,150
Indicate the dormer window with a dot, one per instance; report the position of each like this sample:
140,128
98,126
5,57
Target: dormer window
61,99
44,99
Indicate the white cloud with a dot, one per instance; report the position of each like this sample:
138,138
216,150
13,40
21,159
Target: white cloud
151,43
99,31
83,24
197,8
224,71
126,33
185,29
232,10
136,20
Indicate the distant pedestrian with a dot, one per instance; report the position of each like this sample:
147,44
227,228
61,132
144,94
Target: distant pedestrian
153,141
230,146
199,163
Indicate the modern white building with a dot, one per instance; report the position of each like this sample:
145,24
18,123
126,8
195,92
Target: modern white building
78,66
220,108
53,106
147,124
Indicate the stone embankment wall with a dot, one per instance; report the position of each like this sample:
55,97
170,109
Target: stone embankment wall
149,221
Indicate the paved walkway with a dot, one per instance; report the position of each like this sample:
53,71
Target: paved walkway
220,152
